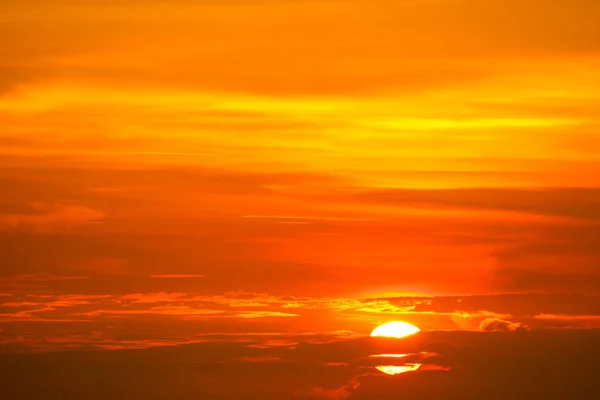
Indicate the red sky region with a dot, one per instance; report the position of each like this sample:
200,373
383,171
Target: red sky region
248,188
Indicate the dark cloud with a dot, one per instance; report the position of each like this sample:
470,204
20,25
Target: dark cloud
526,304
497,324
40,183
581,203
558,252
554,364
522,278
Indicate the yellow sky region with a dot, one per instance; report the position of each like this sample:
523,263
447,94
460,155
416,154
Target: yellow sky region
476,128
365,88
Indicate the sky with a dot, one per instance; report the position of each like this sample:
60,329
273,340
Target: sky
195,192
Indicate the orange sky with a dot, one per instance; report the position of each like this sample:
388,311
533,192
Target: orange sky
170,170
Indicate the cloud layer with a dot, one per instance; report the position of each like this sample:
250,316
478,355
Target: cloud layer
453,364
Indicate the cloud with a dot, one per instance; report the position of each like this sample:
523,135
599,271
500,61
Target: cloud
506,252
43,281
308,219
258,359
183,311
339,393
567,317
496,324
521,304
552,364
51,217
559,202
263,314
177,276
43,277
150,298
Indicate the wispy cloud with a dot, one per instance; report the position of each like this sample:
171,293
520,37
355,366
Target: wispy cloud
23,282
307,218
50,217
263,314
158,310
574,318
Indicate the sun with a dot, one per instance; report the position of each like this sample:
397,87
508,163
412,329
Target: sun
395,329
398,369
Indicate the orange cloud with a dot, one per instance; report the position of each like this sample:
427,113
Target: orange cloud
568,317
158,310
263,314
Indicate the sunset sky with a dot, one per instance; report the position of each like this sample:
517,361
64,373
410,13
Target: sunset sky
198,190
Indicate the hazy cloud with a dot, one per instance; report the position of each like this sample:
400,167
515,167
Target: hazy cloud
51,217
560,202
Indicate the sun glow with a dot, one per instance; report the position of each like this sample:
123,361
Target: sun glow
389,355
398,369
395,329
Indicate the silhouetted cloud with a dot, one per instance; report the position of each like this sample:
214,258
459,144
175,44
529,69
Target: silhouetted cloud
465,365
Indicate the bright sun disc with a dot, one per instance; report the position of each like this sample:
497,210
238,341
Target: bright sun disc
398,369
395,329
